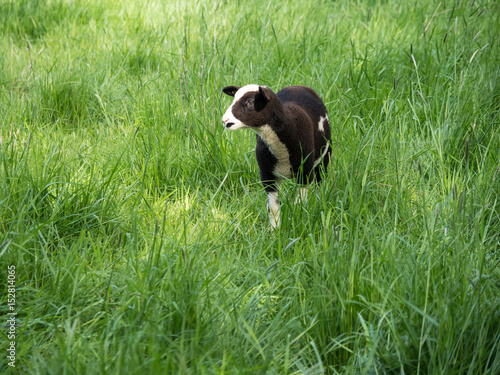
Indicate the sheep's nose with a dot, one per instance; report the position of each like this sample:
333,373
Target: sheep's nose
226,123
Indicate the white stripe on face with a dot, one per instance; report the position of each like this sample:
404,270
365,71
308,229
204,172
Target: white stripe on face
229,120
242,91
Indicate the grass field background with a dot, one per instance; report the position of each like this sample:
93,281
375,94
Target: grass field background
138,225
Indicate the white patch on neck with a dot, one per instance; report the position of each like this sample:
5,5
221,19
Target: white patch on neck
321,122
283,168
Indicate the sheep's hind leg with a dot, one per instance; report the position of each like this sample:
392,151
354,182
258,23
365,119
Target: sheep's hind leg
302,195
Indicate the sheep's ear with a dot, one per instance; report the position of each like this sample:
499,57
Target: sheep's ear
264,92
230,90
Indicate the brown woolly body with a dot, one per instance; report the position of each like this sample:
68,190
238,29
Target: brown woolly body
293,132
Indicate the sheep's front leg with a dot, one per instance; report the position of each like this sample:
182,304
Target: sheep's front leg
273,206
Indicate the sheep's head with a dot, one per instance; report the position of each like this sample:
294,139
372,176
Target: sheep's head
250,107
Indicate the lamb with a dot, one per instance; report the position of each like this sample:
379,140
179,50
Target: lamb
293,135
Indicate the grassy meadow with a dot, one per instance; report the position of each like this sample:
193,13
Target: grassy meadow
138,226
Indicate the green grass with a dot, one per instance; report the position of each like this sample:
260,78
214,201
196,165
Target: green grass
138,226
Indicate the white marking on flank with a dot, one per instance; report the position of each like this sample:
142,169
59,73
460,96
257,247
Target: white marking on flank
321,122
